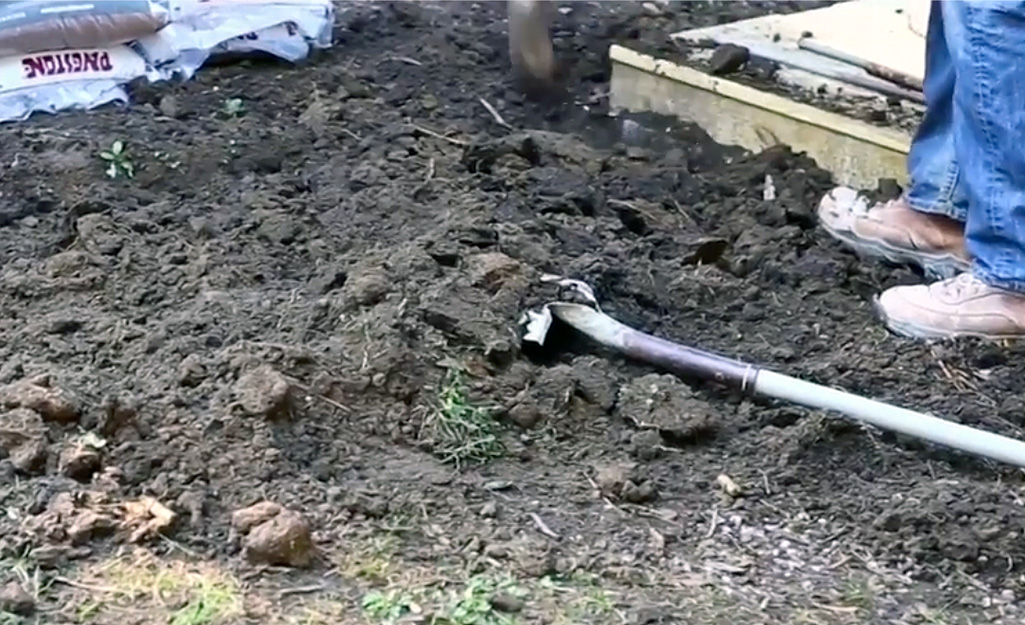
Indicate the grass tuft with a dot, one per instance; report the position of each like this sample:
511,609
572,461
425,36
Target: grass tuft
459,431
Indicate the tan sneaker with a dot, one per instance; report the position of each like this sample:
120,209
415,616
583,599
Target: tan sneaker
895,232
960,306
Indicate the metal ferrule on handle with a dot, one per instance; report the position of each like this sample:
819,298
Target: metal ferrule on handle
673,357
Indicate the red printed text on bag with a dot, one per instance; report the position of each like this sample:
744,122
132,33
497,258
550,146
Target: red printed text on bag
58,63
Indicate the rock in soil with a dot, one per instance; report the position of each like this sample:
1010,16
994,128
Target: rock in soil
191,371
492,270
284,540
16,600
147,518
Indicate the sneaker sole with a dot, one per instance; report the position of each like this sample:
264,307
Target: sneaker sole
911,330
936,266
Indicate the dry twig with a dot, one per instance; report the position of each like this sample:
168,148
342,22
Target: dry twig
300,590
495,114
408,60
327,400
542,526
714,524
438,135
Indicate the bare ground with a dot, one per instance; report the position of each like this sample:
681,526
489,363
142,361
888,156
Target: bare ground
308,294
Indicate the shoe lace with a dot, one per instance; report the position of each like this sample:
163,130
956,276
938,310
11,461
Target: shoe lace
964,286
860,207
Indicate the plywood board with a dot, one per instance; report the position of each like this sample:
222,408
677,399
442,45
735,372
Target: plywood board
886,32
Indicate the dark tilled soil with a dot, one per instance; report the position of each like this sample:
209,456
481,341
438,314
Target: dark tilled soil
362,228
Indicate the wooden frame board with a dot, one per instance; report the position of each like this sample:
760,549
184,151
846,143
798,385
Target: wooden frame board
857,153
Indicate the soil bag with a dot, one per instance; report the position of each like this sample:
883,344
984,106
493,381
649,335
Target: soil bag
84,78
67,79
38,25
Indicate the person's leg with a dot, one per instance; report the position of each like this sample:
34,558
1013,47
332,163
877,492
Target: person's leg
925,226
987,45
990,133
932,166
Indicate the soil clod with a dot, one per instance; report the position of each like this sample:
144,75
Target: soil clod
21,440
275,535
53,404
667,405
525,415
264,392
119,412
728,58
623,482
247,518
191,371
30,457
367,286
504,602
14,599
80,461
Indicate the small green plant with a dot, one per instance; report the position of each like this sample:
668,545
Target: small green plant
234,107
858,593
473,606
589,600
388,606
459,431
206,608
88,609
118,161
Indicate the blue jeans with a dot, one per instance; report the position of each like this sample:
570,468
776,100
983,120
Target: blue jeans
967,159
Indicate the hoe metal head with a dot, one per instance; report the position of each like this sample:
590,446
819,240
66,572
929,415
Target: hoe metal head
530,45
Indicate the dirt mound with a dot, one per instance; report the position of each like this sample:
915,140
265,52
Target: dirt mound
310,298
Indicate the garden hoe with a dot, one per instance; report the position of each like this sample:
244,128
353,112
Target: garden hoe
684,361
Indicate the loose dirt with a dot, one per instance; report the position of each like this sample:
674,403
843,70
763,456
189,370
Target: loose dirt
275,376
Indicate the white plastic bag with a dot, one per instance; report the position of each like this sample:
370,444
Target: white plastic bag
199,29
